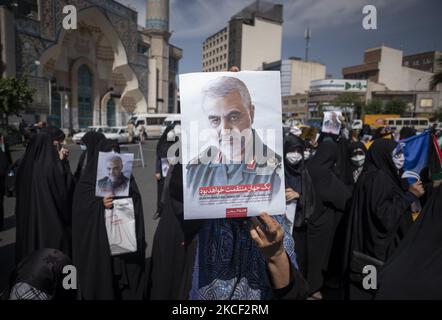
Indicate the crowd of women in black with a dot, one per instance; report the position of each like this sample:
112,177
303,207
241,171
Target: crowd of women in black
353,210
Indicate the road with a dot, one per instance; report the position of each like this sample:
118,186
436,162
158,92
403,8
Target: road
146,183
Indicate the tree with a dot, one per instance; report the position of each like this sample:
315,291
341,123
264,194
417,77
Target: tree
395,106
437,77
374,106
350,100
14,97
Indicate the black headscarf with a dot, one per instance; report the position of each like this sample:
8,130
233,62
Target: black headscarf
102,276
292,143
43,209
56,133
407,132
380,156
379,205
43,270
380,132
351,148
329,188
90,140
174,244
164,145
414,270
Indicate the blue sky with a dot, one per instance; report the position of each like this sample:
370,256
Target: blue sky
338,38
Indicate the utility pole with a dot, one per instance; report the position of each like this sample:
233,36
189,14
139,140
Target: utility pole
307,36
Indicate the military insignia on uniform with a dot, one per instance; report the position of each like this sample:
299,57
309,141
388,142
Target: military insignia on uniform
252,165
272,162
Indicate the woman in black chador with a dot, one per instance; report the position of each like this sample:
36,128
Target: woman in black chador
43,209
102,276
414,270
379,211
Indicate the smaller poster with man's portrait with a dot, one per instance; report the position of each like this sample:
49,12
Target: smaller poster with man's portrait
113,174
332,122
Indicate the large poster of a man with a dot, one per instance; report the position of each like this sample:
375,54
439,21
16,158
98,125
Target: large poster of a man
113,174
232,144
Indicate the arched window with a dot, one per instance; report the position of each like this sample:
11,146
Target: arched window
111,116
85,110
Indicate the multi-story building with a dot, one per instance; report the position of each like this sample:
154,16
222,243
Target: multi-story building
425,61
323,93
295,107
296,76
98,74
215,51
384,65
391,75
252,37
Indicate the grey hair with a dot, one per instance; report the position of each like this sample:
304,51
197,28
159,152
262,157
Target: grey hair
116,159
223,86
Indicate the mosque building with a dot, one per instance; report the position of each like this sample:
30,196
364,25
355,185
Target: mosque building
101,73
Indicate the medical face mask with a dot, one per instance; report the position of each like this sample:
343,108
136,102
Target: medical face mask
398,159
294,157
358,160
83,147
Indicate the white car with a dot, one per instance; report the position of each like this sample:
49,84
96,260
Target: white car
120,134
78,136
173,119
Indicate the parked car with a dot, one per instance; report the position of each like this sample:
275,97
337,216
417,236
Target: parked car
171,120
78,136
152,122
120,134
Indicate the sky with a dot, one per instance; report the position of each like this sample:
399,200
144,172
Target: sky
338,38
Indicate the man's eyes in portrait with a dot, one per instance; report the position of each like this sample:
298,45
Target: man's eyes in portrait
214,121
234,116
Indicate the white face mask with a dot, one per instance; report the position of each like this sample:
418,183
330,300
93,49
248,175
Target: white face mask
293,157
83,147
399,160
358,160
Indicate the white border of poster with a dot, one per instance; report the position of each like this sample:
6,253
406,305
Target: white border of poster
232,198
102,173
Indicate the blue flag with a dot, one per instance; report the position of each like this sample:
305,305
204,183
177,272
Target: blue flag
416,150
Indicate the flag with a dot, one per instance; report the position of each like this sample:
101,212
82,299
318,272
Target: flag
435,160
416,152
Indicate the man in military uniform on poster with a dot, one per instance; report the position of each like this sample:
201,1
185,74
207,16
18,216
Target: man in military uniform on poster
247,161
115,183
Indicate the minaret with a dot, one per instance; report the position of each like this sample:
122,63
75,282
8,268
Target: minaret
157,14
157,25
